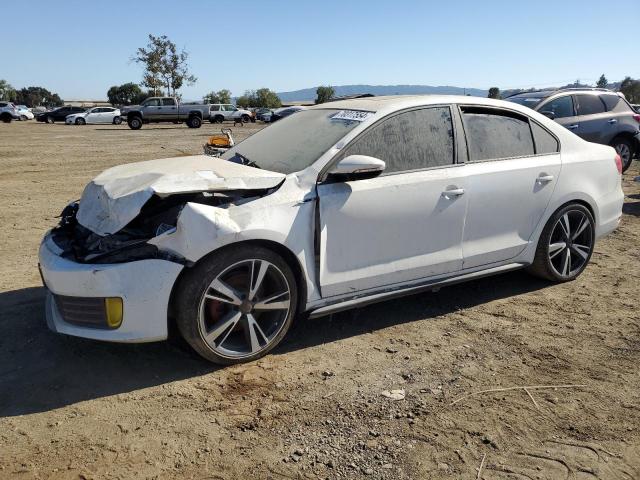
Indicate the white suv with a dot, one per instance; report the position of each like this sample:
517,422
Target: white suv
219,112
8,112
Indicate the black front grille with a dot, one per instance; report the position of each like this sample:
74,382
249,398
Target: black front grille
82,311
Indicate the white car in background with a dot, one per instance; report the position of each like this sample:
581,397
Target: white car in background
338,206
95,115
219,112
24,113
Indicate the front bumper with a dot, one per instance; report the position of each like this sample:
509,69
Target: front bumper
144,285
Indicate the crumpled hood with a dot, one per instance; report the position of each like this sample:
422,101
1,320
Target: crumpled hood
116,196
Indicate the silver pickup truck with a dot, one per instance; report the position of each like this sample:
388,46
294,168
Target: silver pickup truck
165,109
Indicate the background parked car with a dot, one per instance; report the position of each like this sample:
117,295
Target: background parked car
165,110
636,107
263,114
24,113
8,112
225,111
95,115
284,112
58,114
595,114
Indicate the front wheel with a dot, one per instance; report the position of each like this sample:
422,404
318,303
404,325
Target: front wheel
565,245
624,148
236,306
81,121
135,123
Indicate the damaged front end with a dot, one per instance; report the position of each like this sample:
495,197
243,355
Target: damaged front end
158,216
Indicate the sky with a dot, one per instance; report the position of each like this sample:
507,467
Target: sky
80,48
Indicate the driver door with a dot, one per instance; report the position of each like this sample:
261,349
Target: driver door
401,226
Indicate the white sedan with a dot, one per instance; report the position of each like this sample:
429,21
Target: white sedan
24,113
335,207
95,115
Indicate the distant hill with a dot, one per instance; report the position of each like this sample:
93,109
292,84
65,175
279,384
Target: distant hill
310,93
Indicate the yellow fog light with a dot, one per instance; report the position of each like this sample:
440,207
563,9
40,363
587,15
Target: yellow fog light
113,311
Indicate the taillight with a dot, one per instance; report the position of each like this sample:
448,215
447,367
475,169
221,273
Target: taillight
636,117
619,164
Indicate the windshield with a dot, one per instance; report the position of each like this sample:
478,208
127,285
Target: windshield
295,142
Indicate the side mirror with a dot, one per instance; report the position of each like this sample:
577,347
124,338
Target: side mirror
357,167
549,114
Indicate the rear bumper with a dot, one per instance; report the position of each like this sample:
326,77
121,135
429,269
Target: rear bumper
144,286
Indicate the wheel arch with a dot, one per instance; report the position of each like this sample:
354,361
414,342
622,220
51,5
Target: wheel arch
276,247
195,113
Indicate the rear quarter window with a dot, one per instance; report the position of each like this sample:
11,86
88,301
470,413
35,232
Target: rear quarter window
494,135
614,103
545,142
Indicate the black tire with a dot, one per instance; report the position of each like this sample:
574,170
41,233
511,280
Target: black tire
135,123
246,118
543,266
117,120
218,119
6,118
189,301
625,149
194,122
81,121
50,119
23,118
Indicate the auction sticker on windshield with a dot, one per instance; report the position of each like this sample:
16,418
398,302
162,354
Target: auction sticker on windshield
356,115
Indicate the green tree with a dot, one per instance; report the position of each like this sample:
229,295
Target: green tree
244,101
265,98
37,96
494,92
164,65
7,92
324,94
631,89
221,96
126,94
602,82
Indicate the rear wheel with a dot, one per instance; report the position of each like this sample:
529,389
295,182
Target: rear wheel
565,245
117,120
50,119
624,147
23,118
194,122
246,118
236,306
135,123
218,119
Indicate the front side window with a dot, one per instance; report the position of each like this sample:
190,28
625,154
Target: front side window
560,107
410,140
215,108
589,105
152,102
293,143
493,135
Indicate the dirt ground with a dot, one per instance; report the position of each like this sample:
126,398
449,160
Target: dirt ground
77,409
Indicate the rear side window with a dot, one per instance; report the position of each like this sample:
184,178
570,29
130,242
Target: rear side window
215,108
168,102
589,105
614,103
411,140
492,135
561,107
545,142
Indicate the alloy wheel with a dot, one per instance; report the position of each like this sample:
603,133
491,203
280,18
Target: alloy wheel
571,243
625,153
244,308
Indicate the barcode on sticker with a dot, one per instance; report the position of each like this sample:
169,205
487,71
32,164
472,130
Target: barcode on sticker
356,115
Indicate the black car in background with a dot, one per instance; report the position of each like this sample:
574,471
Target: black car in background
597,115
284,112
58,114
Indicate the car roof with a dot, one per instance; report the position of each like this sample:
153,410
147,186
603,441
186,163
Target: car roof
397,102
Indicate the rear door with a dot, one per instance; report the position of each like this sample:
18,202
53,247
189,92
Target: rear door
594,119
513,166
169,109
400,226
562,109
93,116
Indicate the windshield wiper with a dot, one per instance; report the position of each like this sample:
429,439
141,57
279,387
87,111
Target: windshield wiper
242,160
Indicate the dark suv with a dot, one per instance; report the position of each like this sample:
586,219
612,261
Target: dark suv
595,114
58,114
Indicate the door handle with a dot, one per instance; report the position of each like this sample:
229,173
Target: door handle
612,121
573,127
545,178
454,192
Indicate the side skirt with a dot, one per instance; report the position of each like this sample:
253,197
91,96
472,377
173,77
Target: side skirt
433,285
